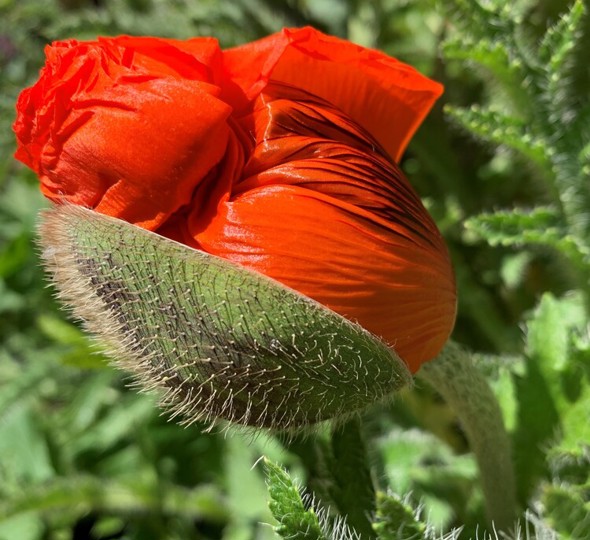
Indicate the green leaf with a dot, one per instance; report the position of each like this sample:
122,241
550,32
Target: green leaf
121,421
219,340
499,60
498,128
82,413
24,527
575,418
296,522
60,331
84,493
544,401
536,427
570,468
25,458
80,352
560,39
396,519
567,101
108,527
536,226
481,21
246,491
550,332
567,510
23,382
584,159
509,227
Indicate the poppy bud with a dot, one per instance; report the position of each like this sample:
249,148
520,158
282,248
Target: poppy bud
280,156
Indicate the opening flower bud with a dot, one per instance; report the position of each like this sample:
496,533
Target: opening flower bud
279,156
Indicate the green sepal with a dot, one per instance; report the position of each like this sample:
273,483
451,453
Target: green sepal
220,341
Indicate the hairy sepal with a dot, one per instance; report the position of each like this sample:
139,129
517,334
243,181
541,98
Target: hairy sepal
219,341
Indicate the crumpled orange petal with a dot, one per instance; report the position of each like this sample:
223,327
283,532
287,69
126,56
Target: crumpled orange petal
108,131
387,97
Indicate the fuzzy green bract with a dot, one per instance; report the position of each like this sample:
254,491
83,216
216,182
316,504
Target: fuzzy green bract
221,342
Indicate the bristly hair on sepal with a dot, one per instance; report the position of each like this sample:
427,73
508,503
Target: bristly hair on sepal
218,342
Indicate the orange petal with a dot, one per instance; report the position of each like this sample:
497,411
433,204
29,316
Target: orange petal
197,58
304,141
392,285
128,126
109,157
387,97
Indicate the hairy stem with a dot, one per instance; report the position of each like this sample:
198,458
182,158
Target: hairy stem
353,491
466,390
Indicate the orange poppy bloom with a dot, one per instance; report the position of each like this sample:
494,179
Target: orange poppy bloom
279,155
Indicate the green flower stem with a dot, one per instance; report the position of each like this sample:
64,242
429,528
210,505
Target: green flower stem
339,473
353,490
466,390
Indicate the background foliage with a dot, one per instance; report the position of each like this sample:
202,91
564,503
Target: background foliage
503,163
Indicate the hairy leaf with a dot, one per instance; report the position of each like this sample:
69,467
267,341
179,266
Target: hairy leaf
536,226
496,127
560,39
396,519
567,509
296,522
499,61
482,19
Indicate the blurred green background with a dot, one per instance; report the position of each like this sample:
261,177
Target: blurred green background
84,457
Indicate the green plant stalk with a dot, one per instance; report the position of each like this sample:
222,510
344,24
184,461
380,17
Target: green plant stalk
353,490
466,390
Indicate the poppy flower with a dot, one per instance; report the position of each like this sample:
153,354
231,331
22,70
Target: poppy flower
280,155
